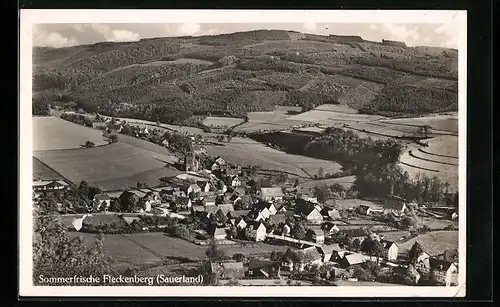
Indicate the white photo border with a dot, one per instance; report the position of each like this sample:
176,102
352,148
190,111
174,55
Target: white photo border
28,18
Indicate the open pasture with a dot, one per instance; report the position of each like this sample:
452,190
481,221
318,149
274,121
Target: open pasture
213,121
346,182
244,151
329,114
434,243
440,123
51,133
110,167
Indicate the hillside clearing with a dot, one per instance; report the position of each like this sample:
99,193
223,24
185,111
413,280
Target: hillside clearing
213,121
434,243
50,133
244,151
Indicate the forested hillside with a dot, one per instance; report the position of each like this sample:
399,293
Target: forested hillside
172,79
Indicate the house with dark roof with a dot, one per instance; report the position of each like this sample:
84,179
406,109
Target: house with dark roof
450,255
256,231
356,233
237,213
49,185
260,268
391,250
395,205
240,223
332,252
443,272
313,216
228,270
331,213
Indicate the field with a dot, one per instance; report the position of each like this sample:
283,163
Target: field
434,243
151,248
439,159
110,167
51,133
270,121
42,172
344,204
446,123
346,182
213,121
244,151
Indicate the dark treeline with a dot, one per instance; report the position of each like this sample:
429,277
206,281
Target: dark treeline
374,162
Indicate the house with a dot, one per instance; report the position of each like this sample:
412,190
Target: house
391,250
209,200
183,203
364,209
206,186
237,213
220,161
422,261
443,272
313,216
257,231
235,181
331,252
330,228
286,230
355,233
316,234
234,198
308,198
395,205
263,214
220,233
454,216
240,223
49,185
332,214
228,270
280,208
198,210
164,143
161,211
193,188
258,268
305,258
271,194
225,208
351,259
102,201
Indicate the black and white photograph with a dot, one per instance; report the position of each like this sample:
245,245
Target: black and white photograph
243,153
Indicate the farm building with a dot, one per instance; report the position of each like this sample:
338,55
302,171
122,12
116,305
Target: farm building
240,223
237,213
271,194
443,272
193,188
355,233
263,268
331,252
391,250
49,185
330,228
422,261
395,205
277,219
228,270
332,214
209,200
236,181
316,234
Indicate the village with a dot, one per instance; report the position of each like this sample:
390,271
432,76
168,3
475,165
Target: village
214,203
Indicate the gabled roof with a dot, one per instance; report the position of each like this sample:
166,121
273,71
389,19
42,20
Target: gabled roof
317,231
260,263
354,258
439,265
328,249
239,213
387,244
195,186
271,192
277,218
136,193
226,208
333,214
355,232
220,231
211,209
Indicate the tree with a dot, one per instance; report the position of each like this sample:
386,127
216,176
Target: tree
356,244
113,138
233,232
56,254
321,173
238,257
299,231
40,108
89,144
214,254
415,251
182,231
220,185
322,193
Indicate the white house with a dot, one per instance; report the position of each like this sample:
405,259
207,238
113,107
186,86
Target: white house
271,194
443,272
314,216
220,233
391,250
235,181
286,230
316,234
258,232
264,214
193,188
240,223
422,261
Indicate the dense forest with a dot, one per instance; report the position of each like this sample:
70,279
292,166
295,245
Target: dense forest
233,74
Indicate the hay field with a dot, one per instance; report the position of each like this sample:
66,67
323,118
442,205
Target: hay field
445,123
346,182
110,167
244,151
279,119
333,114
434,243
214,121
51,133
